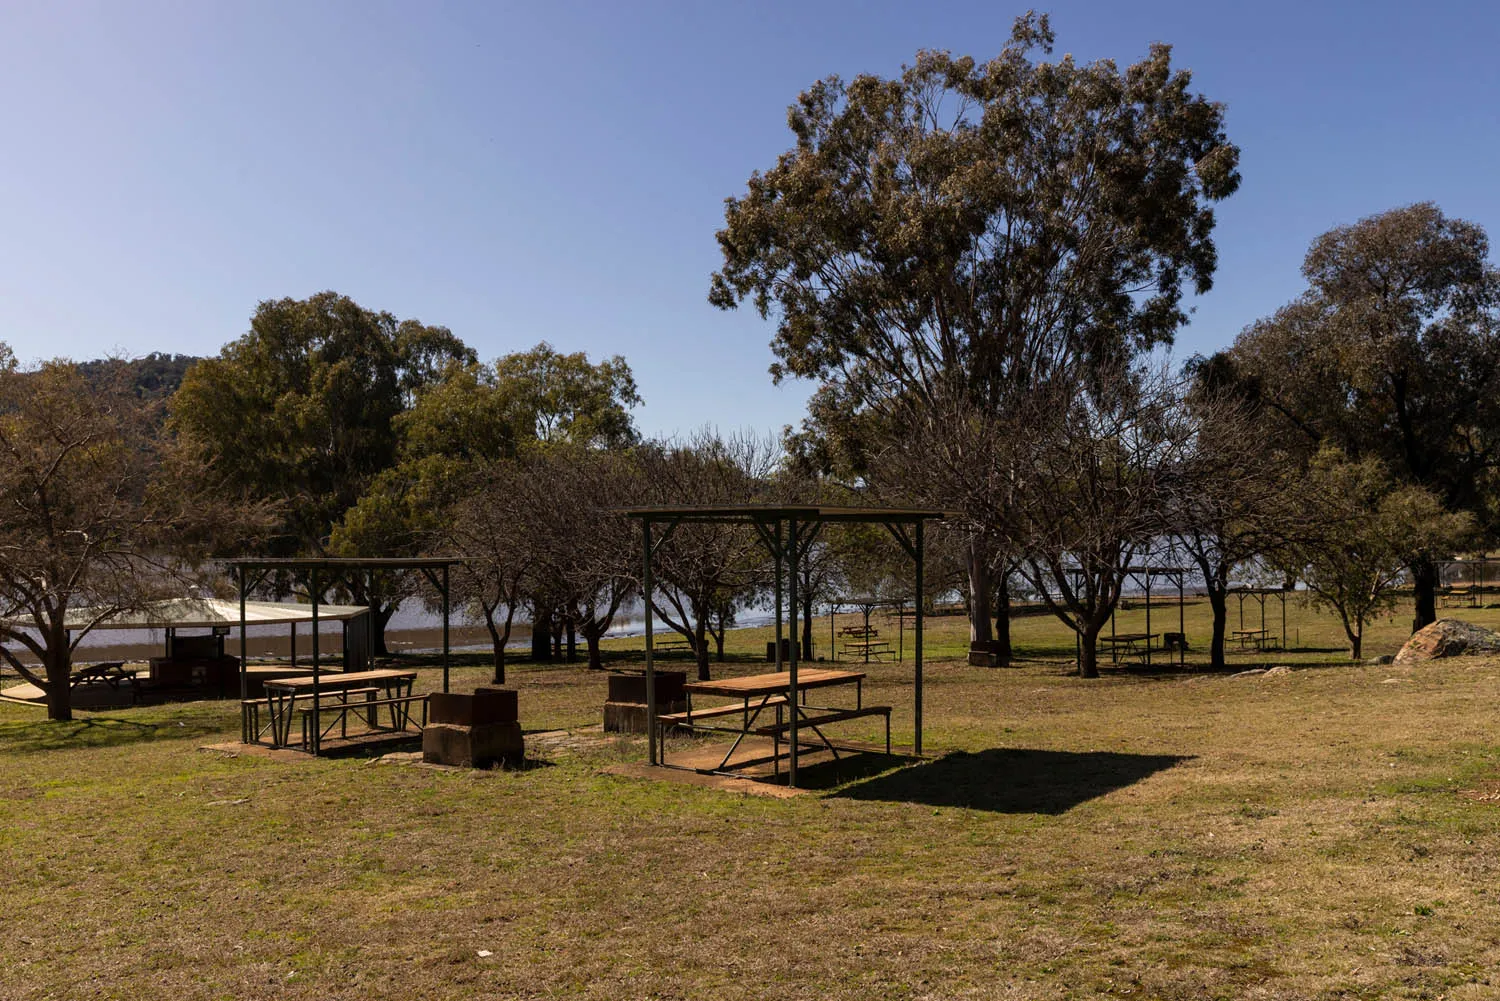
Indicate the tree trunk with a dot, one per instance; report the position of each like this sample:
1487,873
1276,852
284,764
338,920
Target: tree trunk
1002,621
1424,580
700,642
59,664
1218,600
1088,651
380,616
807,627
572,633
498,639
596,657
541,635
979,594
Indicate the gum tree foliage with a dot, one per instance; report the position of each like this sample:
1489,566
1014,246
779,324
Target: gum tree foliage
96,511
301,410
975,230
484,471
1363,530
1392,353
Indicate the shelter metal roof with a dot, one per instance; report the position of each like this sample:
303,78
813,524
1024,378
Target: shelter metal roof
198,613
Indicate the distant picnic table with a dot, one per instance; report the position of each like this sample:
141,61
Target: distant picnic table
1251,637
1459,597
869,649
113,673
1131,644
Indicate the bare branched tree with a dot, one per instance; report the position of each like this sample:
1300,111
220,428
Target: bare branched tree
1106,461
97,512
703,569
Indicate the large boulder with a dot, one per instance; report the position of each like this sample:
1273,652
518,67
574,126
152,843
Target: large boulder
1448,638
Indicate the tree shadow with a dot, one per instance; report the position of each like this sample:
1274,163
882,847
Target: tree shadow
37,736
1006,780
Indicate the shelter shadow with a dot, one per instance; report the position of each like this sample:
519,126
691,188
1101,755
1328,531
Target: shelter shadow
1005,780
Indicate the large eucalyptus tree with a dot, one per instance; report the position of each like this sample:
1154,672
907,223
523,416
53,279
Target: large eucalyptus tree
971,231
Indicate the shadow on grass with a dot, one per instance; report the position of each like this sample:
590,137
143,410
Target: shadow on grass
1012,781
36,736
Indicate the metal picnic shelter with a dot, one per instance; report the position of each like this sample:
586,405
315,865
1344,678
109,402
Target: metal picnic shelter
323,572
1243,591
1144,576
786,531
867,605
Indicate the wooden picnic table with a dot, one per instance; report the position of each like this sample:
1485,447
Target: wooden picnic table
756,693
870,648
282,694
1249,636
862,631
1136,644
1462,597
113,673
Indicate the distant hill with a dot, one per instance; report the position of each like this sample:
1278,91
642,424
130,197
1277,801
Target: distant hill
156,376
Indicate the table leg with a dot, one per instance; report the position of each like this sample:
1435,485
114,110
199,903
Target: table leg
749,721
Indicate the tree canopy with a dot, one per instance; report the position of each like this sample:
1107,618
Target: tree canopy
301,408
937,246
1391,353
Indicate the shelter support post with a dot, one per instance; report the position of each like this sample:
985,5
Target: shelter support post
446,644
244,647
792,545
917,644
315,736
647,587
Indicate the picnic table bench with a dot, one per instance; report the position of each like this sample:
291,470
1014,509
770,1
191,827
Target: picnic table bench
672,644
1459,597
399,706
251,728
283,694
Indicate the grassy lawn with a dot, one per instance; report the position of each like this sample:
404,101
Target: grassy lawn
1328,833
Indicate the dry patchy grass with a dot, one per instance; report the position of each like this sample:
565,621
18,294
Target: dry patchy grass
1328,833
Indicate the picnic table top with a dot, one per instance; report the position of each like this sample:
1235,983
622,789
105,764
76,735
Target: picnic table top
863,644
1127,637
771,684
1248,632
339,680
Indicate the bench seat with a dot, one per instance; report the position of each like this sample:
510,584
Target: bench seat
715,712
309,714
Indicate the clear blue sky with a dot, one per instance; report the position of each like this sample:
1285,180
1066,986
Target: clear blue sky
520,172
